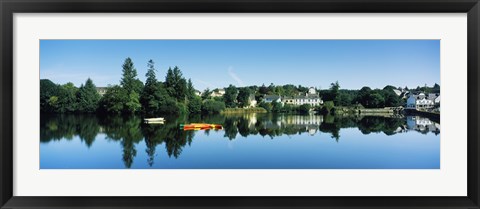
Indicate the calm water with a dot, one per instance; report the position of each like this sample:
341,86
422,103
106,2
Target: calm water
247,141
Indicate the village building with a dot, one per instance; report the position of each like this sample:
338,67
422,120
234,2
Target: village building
422,125
402,93
272,98
422,101
311,98
102,90
198,93
251,101
217,93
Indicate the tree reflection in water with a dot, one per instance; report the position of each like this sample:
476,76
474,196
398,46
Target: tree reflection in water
129,130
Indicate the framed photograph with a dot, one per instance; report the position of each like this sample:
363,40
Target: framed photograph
237,104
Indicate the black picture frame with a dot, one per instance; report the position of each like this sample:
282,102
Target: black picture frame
9,7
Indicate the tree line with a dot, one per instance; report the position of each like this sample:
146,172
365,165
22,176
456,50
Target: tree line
177,95
174,95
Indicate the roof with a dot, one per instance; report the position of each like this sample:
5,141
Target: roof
423,96
398,92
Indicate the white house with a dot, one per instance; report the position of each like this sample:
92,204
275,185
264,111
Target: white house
437,100
198,93
102,90
311,98
217,93
272,98
251,101
422,101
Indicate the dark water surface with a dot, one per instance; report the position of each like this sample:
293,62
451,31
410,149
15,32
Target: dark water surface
248,141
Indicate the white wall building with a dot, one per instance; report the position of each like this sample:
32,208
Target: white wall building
272,98
422,101
251,101
217,93
311,98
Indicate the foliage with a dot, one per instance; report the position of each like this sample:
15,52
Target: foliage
277,107
133,105
114,99
88,97
195,105
212,106
153,92
242,98
67,99
304,109
328,108
129,80
266,106
206,94
48,89
230,96
175,84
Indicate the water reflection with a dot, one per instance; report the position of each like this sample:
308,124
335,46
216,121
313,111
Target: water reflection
128,131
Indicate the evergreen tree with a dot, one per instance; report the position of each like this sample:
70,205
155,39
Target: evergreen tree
190,90
129,80
334,88
176,85
88,97
132,86
206,94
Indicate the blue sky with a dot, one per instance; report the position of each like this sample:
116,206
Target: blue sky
218,63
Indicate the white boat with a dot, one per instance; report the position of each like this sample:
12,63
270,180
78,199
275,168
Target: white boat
154,120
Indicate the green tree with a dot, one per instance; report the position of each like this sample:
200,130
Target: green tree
230,96
343,99
211,106
243,95
153,92
334,88
176,85
328,108
129,80
67,98
48,89
195,105
276,107
88,97
263,89
391,99
133,105
190,90
376,100
206,94
363,96
304,109
266,106
114,100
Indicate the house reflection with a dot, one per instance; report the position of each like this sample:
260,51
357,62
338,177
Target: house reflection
422,125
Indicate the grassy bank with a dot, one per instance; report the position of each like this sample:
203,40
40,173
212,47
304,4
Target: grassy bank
243,110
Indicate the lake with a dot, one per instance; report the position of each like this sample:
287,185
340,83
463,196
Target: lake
247,141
